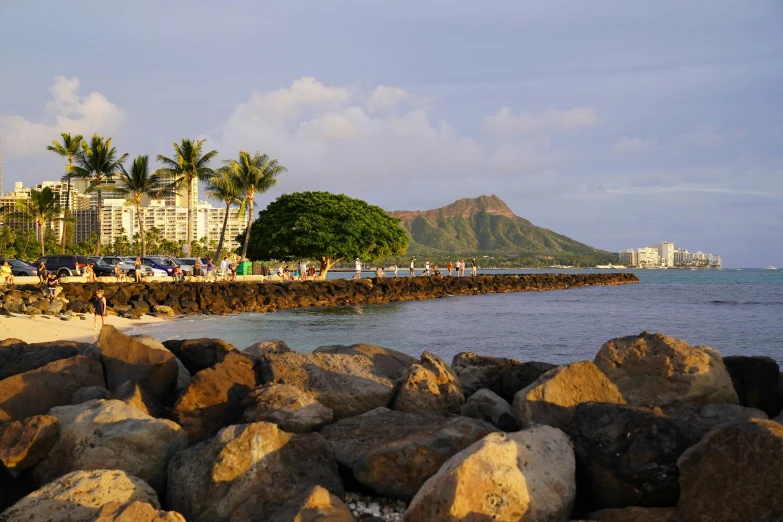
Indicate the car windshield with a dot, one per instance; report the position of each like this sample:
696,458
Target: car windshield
18,264
174,261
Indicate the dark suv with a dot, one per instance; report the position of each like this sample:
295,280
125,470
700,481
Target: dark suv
64,265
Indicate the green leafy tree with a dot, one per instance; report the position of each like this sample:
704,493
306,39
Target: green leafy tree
27,245
324,226
98,162
69,148
153,238
189,163
8,241
225,187
255,175
41,208
137,183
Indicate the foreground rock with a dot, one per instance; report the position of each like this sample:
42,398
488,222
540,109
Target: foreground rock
348,384
487,405
394,453
387,362
135,394
551,398
23,443
136,512
315,505
288,407
633,514
211,480
734,473
80,496
523,476
37,391
430,386
111,434
655,370
199,354
480,371
696,420
213,399
89,393
757,382
127,358
18,357
183,375
263,348
520,376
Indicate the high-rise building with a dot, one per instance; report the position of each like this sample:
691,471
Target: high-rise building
648,258
665,252
629,257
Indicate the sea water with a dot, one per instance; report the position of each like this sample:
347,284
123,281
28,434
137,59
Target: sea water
734,311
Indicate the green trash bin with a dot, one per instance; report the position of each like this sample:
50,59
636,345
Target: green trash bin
245,268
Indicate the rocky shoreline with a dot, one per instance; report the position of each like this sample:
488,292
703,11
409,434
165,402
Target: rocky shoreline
131,429
167,299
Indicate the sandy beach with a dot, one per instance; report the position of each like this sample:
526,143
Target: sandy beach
37,329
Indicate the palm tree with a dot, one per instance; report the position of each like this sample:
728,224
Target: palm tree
97,162
225,187
42,207
138,183
255,175
188,164
69,148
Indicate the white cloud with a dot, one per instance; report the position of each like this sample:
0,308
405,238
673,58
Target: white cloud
68,111
628,145
507,122
385,97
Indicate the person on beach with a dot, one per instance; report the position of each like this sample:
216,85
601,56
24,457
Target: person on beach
394,269
224,268
53,283
118,273
358,268
99,306
413,272
449,267
89,273
473,267
42,272
137,270
6,274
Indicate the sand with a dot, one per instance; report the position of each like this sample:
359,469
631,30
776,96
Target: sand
37,329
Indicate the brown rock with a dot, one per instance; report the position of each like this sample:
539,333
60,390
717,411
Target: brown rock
209,481
135,394
89,393
387,362
199,354
487,405
287,406
316,505
213,399
18,357
394,452
733,473
263,348
696,420
136,512
655,370
23,443
480,371
35,392
126,358
551,398
633,514
430,386
520,376
757,382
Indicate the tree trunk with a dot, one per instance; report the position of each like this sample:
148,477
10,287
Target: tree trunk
100,218
326,264
141,228
222,235
250,197
190,213
41,238
67,210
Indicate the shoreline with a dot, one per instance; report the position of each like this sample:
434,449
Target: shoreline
42,328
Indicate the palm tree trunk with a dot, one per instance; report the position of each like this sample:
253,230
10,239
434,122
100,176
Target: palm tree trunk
40,237
141,229
190,213
67,210
100,221
222,235
250,196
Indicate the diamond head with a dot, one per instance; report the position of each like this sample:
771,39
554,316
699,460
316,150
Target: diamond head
486,226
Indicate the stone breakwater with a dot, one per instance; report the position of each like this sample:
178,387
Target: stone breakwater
134,299
131,429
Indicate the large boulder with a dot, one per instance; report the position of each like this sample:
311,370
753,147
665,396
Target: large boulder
655,370
199,354
626,456
387,362
35,392
523,476
287,406
696,420
23,443
394,452
136,512
89,393
480,371
214,398
18,357
315,505
79,497
211,480
489,406
551,398
733,473
127,358
757,382
633,514
183,375
135,394
520,376
348,384
263,348
111,434
430,386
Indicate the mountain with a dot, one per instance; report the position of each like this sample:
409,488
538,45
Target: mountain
485,225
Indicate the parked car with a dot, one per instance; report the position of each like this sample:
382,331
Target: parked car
64,265
165,264
146,271
20,268
187,264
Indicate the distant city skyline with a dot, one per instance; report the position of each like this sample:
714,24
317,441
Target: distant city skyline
614,123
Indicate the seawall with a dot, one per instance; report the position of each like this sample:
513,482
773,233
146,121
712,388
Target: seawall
133,299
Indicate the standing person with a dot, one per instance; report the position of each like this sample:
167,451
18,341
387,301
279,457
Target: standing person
210,270
413,272
53,282
449,267
394,267
137,269
232,271
427,268
197,268
456,268
358,268
302,270
99,305
224,268
473,267
42,272
462,268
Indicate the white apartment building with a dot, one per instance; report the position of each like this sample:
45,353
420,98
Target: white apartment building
665,252
653,257
629,257
648,258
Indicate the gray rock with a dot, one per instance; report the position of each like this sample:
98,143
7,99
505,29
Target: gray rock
520,376
387,362
430,386
479,371
288,407
89,393
263,348
489,406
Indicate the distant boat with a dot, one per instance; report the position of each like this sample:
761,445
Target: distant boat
610,266
770,267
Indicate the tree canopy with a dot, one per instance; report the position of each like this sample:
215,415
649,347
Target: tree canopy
324,226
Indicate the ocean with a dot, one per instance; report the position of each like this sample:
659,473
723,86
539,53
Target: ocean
736,311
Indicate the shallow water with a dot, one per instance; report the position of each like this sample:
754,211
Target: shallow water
735,312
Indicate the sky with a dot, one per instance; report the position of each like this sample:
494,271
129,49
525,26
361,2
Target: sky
619,124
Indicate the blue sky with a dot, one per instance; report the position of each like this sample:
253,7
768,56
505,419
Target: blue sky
616,123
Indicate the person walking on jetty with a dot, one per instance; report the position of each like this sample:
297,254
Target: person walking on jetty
449,267
197,269
413,272
394,268
232,271
473,267
210,271
42,272
302,270
358,268
137,270
427,268
224,268
99,306
462,268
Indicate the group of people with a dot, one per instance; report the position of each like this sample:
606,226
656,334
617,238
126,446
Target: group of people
457,268
302,272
